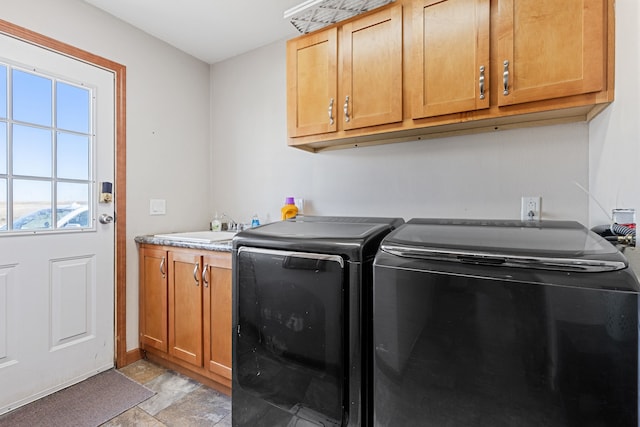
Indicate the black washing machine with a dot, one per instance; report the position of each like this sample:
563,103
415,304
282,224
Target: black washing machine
301,289
502,324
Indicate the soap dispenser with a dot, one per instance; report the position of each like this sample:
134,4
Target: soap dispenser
216,225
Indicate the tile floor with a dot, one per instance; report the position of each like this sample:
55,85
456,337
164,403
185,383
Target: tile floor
179,401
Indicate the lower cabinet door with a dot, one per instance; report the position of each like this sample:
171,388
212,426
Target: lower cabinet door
185,307
217,314
153,299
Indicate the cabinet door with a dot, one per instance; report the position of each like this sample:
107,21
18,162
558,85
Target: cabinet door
217,314
549,49
312,76
153,298
451,53
185,307
371,72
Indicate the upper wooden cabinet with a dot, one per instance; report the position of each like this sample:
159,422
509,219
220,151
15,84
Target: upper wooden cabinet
550,49
371,69
312,75
367,62
450,73
466,66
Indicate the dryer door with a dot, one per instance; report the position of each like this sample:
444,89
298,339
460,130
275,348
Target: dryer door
290,337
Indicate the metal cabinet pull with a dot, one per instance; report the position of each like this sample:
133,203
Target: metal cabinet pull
205,269
195,273
346,109
162,267
482,82
331,121
505,78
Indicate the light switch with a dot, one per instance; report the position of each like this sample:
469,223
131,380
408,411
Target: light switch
157,207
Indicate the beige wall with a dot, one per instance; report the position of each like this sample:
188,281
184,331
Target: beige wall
481,175
167,120
614,149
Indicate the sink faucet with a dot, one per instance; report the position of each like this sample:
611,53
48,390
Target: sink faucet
232,225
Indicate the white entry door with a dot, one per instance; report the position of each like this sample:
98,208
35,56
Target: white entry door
56,257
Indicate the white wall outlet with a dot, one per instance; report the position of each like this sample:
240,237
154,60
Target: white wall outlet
531,208
300,205
157,207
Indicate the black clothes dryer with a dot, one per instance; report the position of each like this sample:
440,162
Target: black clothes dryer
301,288
501,324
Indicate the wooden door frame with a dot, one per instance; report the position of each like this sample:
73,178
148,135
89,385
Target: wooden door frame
122,358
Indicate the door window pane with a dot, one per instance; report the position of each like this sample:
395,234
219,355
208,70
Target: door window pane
3,92
73,200
31,98
31,151
3,204
72,108
3,148
73,156
32,205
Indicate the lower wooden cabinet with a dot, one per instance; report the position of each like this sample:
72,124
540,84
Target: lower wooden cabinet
217,314
185,311
185,307
153,299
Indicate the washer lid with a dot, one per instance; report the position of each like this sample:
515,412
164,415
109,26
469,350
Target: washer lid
328,227
354,237
554,245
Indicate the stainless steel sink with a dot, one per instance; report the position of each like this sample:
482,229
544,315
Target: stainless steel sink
199,236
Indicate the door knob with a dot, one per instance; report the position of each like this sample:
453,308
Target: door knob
106,219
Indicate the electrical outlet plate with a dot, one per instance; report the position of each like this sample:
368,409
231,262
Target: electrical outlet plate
531,208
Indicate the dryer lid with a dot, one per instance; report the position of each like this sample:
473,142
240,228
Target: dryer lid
555,245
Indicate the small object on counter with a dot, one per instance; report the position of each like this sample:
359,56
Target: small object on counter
216,225
228,223
624,216
289,210
255,221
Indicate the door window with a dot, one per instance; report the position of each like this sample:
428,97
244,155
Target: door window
46,147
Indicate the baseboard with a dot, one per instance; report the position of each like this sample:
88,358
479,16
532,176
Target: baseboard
130,357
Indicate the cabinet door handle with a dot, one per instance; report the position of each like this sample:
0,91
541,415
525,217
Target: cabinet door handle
331,121
162,267
195,273
481,82
346,109
505,78
204,275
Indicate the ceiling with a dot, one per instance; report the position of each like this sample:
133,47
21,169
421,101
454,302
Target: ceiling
210,30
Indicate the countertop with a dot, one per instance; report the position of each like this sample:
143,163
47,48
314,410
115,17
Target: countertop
221,246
